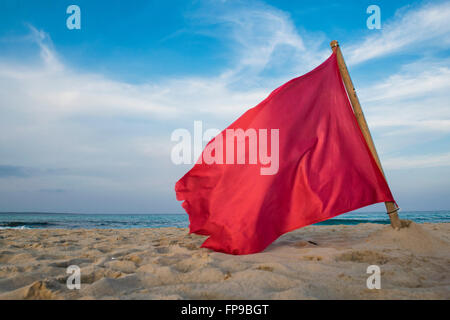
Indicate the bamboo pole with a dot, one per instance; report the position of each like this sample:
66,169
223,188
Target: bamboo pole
391,208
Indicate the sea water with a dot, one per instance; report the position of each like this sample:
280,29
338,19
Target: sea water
41,220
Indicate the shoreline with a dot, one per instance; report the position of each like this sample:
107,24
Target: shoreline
124,221
315,262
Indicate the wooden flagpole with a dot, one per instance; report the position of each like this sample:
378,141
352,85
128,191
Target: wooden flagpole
391,208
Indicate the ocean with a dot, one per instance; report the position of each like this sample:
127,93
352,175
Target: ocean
41,220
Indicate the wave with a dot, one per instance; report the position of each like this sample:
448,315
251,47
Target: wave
352,221
123,221
24,225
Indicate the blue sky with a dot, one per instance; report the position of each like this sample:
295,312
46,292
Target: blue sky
86,115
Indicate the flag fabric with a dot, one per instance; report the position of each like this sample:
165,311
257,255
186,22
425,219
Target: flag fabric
325,168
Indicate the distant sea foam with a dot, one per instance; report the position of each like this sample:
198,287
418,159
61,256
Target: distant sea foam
39,220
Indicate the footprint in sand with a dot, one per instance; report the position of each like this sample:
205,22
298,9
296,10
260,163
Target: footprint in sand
134,258
189,246
312,258
125,266
66,263
363,256
265,268
38,290
162,250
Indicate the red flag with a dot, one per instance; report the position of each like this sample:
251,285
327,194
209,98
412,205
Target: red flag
325,167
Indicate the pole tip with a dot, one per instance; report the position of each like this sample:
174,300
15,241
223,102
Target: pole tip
334,43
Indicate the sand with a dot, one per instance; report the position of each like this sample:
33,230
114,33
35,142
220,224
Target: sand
316,262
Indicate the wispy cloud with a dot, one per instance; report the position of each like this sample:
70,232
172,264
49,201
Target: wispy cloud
413,29
56,89
261,38
409,111
418,161
411,99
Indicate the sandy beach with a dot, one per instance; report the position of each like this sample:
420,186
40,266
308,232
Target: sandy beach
316,262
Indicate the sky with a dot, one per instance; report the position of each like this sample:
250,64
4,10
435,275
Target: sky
86,115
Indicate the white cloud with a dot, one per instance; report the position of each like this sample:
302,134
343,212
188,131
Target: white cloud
414,100
409,86
418,161
412,30
54,89
259,34
409,110
54,92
